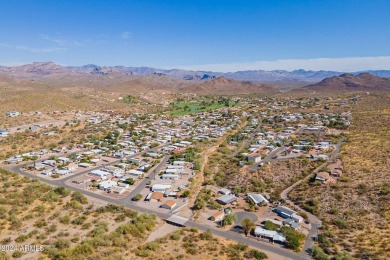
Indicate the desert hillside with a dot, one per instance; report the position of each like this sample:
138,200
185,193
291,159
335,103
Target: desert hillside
351,83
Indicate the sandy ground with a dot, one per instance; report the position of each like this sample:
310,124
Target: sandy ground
162,231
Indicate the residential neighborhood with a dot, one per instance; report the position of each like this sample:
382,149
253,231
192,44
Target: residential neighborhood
153,161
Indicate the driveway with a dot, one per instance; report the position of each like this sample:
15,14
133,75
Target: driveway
243,215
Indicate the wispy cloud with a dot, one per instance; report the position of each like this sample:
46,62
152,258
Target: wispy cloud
61,41
347,64
34,49
126,35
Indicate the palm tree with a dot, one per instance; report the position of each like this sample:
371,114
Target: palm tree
248,225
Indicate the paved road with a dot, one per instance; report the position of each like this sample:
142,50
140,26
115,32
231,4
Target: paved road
249,139
152,174
268,158
261,245
243,215
251,241
126,201
316,223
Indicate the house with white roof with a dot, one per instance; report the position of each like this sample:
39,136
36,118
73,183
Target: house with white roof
273,235
258,199
135,173
105,185
3,133
161,187
100,173
12,113
170,177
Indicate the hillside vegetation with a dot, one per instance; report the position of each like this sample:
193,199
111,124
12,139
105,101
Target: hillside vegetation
69,226
356,210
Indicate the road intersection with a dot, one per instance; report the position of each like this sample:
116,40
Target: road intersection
127,202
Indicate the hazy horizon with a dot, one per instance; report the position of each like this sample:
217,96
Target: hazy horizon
215,35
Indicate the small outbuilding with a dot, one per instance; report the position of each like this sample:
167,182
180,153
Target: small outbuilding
169,204
218,216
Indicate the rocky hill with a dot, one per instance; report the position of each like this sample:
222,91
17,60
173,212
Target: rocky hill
222,85
351,83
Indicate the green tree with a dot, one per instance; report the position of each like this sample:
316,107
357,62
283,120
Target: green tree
229,219
130,181
293,237
137,197
186,194
199,204
248,225
270,226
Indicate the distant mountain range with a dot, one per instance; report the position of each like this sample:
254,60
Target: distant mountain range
278,77
145,79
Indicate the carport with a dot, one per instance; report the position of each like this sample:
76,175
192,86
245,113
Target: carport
177,220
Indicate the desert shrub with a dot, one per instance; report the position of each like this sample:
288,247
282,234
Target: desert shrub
138,226
83,249
206,235
175,236
21,238
79,220
61,243
334,211
73,205
343,256
52,228
319,254
79,197
240,246
194,229
6,241
145,250
192,251
258,255
40,223
340,223
293,237
51,196
120,218
4,256
63,192
65,219
112,208
86,225
131,214
214,205
137,197
362,188
17,254
101,228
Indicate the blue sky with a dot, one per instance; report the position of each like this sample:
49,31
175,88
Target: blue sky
218,35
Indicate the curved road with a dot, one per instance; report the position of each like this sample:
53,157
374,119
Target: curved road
232,235
126,201
316,223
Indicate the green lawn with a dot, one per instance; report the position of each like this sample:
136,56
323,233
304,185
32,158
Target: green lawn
185,108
